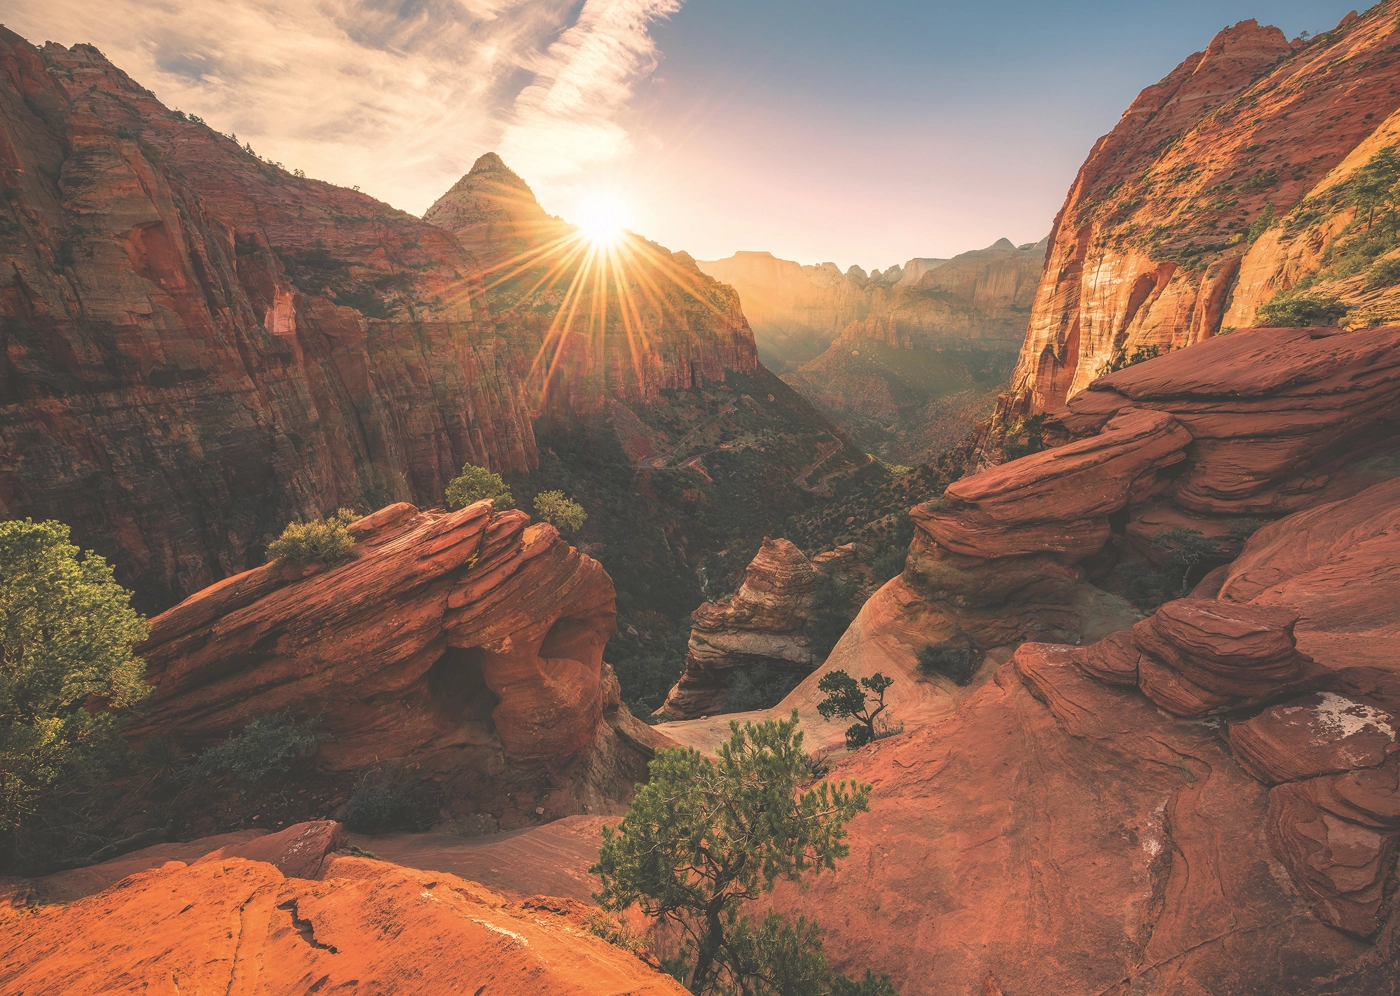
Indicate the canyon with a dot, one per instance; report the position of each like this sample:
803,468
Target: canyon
906,360
201,346
1193,793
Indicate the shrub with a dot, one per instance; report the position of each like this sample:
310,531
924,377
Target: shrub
269,743
958,662
1186,548
846,700
1032,428
1286,310
326,541
67,631
1386,273
760,686
705,837
381,806
474,484
559,511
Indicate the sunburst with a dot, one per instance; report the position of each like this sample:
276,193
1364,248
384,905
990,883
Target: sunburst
610,278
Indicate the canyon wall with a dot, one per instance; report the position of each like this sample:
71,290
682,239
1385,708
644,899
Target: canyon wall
913,376
200,346
1208,198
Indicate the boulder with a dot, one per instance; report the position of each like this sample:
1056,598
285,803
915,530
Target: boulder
299,851
1318,734
764,622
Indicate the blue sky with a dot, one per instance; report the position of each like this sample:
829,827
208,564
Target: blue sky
860,133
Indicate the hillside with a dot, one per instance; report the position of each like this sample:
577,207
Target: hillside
1250,186
911,379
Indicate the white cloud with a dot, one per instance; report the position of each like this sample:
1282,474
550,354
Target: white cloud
396,96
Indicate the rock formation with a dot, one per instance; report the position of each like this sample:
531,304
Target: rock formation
467,644
763,623
200,346
1178,225
912,376
494,215
1066,808
233,924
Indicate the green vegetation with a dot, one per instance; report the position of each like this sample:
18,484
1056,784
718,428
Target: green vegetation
325,541
1025,437
761,686
1123,359
476,484
1287,309
705,837
1261,223
380,806
833,608
846,700
559,511
275,742
951,660
67,631
1385,273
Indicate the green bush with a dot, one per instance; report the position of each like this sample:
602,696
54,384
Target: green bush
950,660
67,631
1286,310
475,484
561,512
326,541
705,837
1386,273
760,686
1027,436
275,742
379,807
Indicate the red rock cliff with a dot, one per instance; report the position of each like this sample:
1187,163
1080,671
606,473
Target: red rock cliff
200,346
1165,236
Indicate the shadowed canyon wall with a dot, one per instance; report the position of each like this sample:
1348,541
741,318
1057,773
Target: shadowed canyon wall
200,346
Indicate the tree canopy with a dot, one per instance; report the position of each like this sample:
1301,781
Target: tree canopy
67,630
475,483
705,836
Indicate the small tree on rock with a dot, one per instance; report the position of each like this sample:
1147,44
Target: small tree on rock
705,836
845,699
476,483
560,511
1185,549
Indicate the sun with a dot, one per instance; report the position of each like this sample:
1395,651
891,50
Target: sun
602,218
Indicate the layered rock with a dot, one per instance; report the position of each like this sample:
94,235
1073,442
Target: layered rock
1061,810
764,623
201,346
494,215
240,926
1165,237
467,644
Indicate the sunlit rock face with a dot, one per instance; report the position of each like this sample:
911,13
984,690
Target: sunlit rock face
1154,244
624,319
202,346
240,921
467,645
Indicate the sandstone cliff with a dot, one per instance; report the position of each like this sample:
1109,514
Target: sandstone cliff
200,346
467,646
1182,222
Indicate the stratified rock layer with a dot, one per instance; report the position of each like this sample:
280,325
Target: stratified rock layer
466,643
1165,237
762,623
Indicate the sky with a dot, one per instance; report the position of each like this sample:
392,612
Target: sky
860,133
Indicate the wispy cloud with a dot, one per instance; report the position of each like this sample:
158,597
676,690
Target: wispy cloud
396,96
